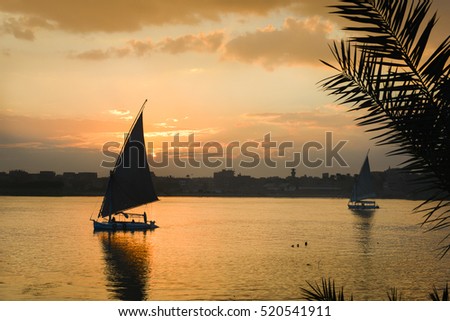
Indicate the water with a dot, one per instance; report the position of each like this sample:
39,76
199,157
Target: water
215,249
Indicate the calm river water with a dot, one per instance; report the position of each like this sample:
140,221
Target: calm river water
215,249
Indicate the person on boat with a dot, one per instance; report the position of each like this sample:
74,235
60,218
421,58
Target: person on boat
145,218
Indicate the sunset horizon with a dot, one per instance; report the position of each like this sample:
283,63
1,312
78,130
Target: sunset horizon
225,72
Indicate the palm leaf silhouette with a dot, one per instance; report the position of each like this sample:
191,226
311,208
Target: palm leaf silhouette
435,294
404,97
326,291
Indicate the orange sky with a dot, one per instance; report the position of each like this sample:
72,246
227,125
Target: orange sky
74,74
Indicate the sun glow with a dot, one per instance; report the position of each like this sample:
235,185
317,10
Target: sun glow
224,72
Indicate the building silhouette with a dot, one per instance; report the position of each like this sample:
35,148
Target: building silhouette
392,183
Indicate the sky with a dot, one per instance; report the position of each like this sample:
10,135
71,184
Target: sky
75,74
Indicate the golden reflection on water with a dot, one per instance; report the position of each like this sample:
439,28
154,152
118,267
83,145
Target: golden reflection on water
215,249
363,226
127,264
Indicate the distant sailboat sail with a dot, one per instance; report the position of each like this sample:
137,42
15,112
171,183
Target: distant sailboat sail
130,183
363,189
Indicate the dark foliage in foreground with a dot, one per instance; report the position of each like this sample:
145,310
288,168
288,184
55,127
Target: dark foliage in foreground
394,295
326,291
435,294
404,97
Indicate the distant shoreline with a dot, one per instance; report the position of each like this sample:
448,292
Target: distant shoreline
390,184
222,196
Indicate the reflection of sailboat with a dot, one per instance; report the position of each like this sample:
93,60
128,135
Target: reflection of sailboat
127,265
364,257
130,185
363,225
363,190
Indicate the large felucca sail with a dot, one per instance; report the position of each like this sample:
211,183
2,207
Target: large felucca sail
130,184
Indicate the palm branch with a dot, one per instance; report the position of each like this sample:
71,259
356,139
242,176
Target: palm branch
435,294
404,97
326,291
394,295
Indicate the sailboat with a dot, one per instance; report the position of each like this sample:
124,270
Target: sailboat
130,185
363,190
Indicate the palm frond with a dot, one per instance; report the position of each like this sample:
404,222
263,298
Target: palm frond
394,295
435,294
405,101
326,291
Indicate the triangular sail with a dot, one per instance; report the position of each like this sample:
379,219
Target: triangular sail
363,187
130,183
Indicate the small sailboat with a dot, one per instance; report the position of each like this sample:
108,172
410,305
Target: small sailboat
363,190
130,185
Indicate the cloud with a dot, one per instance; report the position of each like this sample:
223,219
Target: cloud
202,42
95,54
24,27
123,15
141,48
329,117
296,42
22,131
119,112
18,131
98,54
23,18
164,125
170,123
124,114
181,132
198,43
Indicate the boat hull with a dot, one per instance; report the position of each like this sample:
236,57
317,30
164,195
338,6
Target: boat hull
123,226
363,206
